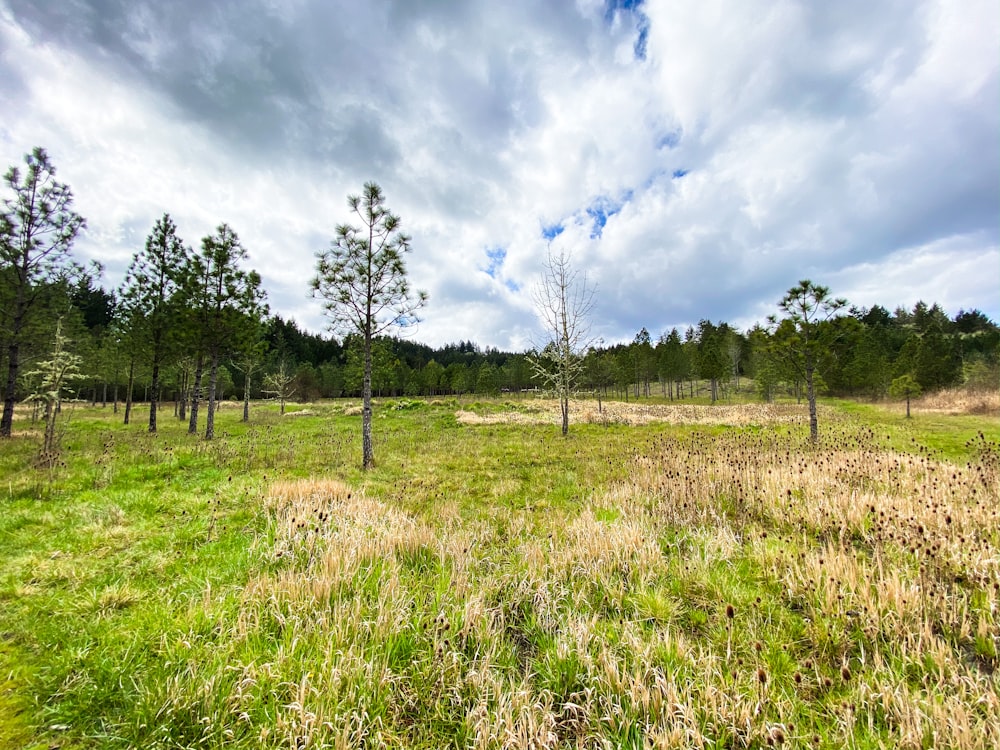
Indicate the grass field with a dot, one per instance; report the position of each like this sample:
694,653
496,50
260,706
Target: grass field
689,576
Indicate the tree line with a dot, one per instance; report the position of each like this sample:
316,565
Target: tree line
868,348
192,327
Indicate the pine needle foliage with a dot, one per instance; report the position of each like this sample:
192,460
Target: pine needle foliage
362,281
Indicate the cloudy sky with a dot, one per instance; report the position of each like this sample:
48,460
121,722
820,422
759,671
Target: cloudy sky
696,157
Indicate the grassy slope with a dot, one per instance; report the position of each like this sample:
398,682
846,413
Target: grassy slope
484,585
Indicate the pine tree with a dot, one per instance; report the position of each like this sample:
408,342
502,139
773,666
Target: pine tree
362,280
806,307
150,299
37,229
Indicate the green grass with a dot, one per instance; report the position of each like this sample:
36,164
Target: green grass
946,434
495,585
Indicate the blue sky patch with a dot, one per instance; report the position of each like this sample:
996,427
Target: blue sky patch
678,173
602,208
634,7
639,48
552,231
613,7
497,256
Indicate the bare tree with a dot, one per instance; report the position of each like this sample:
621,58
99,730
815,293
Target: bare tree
563,301
278,385
362,281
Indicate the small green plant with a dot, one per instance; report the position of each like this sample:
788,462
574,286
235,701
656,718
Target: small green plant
50,378
905,387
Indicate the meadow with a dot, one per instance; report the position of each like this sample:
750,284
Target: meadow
667,576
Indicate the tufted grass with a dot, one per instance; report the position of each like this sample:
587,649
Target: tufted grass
700,578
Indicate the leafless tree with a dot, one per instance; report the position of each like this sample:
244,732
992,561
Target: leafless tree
563,301
278,385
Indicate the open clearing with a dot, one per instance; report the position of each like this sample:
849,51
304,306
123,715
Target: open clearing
667,576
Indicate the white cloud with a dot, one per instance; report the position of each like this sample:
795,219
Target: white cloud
757,143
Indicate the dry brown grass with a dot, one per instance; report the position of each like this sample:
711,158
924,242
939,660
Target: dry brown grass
546,411
545,416
560,635
958,401
903,550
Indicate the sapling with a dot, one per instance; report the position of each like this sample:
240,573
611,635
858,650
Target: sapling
52,375
905,387
278,385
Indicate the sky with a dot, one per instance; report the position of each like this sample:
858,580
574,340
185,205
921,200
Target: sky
694,158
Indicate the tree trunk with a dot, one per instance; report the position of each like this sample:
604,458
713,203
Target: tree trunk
128,392
182,397
367,451
811,396
10,397
564,404
154,386
195,395
213,376
104,396
48,442
246,398
154,396
116,397
907,405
